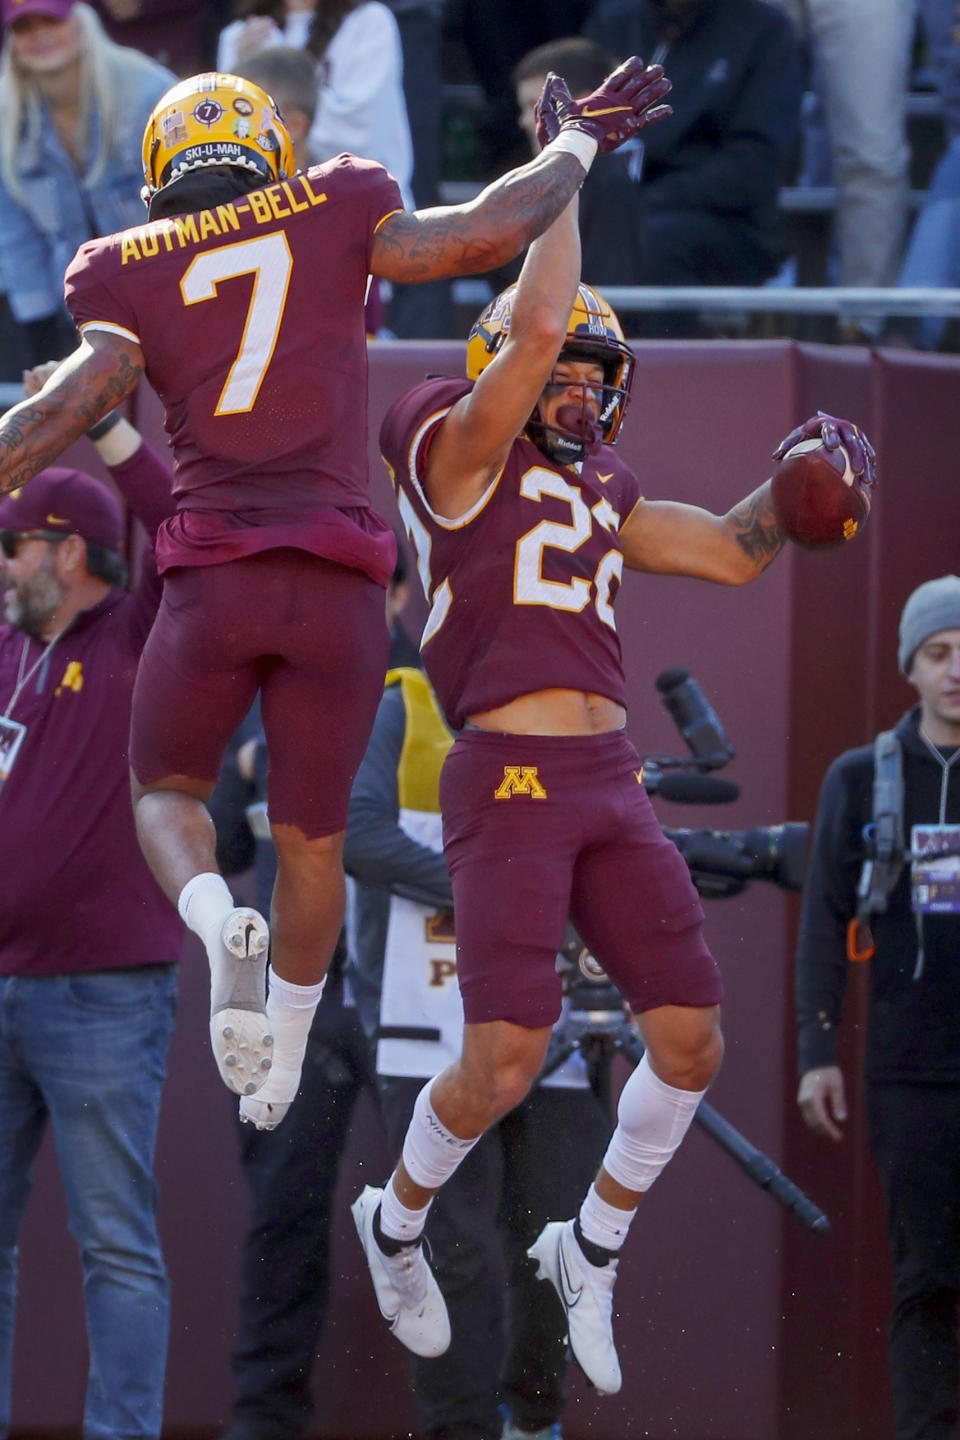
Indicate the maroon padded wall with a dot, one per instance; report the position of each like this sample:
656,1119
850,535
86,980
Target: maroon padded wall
734,1323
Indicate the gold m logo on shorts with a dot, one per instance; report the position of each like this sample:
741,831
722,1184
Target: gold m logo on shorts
520,780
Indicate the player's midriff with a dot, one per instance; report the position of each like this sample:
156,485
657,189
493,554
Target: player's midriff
553,712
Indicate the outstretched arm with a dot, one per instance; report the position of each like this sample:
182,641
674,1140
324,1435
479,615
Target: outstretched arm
100,373
472,444
511,212
666,537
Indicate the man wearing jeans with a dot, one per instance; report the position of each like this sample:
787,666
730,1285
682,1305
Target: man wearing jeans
88,943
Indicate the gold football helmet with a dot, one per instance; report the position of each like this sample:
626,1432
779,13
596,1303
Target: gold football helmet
593,333
214,120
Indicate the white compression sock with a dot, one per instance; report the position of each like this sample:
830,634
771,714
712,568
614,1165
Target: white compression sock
204,903
290,1012
652,1119
431,1152
398,1222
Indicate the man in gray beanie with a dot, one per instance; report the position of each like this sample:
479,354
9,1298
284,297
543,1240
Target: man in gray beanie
932,607
907,923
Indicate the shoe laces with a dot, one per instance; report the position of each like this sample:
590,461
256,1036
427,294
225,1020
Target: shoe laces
408,1275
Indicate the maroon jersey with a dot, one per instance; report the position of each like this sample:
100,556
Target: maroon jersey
522,587
251,320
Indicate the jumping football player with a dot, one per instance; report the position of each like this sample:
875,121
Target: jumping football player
523,519
242,301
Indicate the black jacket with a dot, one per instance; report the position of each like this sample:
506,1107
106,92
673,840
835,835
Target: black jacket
914,1023
738,82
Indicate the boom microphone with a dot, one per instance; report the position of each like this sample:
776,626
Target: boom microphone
695,718
695,789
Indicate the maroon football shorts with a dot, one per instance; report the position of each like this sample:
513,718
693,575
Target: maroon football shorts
541,827
310,634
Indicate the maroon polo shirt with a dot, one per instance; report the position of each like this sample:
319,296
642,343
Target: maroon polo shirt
75,891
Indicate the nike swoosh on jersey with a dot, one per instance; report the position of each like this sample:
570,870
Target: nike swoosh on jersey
604,478
570,1296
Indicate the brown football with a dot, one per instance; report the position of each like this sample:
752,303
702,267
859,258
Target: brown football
816,497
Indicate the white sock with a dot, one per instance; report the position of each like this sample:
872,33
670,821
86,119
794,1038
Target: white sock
204,903
290,1011
396,1221
431,1152
603,1224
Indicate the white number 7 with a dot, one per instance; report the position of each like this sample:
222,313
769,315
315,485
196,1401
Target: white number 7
267,258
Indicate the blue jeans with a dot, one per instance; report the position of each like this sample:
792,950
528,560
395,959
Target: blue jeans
933,255
88,1051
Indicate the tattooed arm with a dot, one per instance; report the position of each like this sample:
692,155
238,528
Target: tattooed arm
668,538
100,373
488,231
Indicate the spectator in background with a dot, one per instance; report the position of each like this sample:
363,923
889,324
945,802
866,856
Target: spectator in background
88,942
356,47
910,938
73,107
495,36
933,253
171,31
508,1340
711,172
861,58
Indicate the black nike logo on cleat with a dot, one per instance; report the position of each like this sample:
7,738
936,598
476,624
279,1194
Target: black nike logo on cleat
568,1294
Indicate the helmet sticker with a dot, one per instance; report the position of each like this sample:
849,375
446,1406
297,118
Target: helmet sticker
207,111
243,106
241,128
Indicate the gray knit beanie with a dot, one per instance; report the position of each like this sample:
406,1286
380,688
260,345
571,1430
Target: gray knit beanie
932,607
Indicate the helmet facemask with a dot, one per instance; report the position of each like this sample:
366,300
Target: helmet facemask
575,434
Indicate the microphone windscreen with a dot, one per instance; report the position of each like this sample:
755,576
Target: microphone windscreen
687,789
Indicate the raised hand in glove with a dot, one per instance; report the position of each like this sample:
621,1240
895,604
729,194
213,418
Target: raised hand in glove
616,111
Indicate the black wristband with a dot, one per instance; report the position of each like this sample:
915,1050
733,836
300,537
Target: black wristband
103,426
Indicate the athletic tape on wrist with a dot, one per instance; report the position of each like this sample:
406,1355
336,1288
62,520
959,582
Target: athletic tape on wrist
576,143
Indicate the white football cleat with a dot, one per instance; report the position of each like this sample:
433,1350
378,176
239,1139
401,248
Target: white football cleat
239,1029
407,1293
586,1294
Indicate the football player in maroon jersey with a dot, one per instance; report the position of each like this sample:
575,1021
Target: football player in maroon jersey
242,300
523,520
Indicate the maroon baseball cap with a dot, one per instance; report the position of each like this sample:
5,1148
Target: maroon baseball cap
67,502
14,10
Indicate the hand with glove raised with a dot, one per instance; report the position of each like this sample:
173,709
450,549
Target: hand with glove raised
628,100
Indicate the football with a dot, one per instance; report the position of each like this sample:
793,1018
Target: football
816,496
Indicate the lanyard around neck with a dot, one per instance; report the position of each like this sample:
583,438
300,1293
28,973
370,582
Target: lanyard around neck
24,679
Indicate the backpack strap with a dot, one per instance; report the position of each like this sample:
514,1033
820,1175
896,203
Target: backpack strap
881,870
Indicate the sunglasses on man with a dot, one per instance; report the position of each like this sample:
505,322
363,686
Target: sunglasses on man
10,539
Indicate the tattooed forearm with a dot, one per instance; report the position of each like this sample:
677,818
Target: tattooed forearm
755,528
79,392
471,239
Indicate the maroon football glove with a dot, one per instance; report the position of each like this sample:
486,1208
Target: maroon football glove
615,112
834,432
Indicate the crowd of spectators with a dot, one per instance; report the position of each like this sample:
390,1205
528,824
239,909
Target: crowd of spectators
767,93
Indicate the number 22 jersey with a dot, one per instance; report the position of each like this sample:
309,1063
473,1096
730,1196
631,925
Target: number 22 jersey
521,587
250,316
